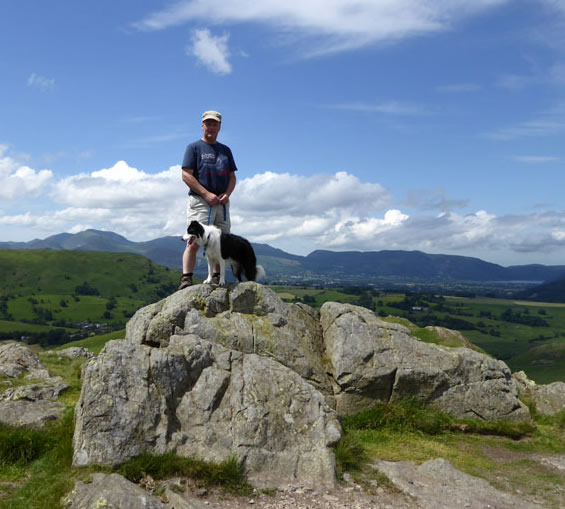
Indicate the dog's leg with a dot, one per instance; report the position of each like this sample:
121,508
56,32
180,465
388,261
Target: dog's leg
222,264
208,280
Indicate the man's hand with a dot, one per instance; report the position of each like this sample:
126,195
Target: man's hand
212,199
223,199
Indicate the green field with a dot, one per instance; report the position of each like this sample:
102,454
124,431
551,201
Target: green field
74,291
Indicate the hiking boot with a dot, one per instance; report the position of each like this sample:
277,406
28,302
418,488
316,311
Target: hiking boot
215,279
185,281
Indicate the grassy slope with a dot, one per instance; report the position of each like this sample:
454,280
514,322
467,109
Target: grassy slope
46,280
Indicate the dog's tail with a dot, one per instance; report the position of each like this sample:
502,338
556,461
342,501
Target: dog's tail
260,272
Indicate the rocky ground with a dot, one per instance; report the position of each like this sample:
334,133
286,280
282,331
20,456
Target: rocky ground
294,496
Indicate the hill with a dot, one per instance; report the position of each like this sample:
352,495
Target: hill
320,267
554,291
55,296
29,272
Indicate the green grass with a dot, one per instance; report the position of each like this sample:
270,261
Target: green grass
228,474
501,453
38,466
95,343
47,475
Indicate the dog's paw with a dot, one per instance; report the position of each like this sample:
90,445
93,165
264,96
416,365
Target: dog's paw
207,281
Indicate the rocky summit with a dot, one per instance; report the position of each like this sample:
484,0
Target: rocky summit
228,372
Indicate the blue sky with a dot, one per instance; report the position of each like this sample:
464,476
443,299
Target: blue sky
435,125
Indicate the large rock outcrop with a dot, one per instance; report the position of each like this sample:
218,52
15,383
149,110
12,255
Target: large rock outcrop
219,372
200,399
248,317
371,360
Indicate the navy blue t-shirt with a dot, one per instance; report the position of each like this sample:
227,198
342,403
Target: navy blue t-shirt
212,165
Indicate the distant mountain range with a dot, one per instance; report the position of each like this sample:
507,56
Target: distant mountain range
351,267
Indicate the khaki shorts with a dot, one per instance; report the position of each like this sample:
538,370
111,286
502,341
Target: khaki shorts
199,210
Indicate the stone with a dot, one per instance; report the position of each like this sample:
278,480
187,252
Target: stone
200,399
548,399
30,413
372,361
17,360
248,317
34,392
73,352
109,492
437,484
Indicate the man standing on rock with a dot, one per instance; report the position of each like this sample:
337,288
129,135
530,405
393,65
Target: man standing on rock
208,169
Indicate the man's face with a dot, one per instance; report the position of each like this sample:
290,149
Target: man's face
210,130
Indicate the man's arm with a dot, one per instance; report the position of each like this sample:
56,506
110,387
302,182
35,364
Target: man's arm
190,180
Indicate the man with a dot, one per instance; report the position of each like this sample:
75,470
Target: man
208,169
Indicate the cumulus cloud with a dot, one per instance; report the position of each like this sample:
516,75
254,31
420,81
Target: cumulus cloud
292,212
332,25
20,180
211,50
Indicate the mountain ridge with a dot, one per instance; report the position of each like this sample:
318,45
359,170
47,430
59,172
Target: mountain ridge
361,266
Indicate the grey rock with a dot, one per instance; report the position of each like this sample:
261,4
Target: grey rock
200,399
34,392
30,413
108,492
548,399
17,360
73,352
555,462
437,484
28,405
376,361
247,317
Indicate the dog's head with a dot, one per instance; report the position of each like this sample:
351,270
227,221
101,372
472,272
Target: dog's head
194,231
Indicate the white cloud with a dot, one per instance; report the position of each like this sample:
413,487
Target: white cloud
17,180
295,213
41,82
118,187
332,25
211,50
536,159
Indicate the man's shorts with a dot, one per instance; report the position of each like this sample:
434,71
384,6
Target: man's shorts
199,210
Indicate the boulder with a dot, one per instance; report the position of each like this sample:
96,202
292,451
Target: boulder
437,484
34,392
73,352
28,405
201,399
247,317
17,360
109,491
30,413
371,361
548,399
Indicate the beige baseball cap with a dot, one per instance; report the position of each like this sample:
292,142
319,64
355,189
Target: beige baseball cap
214,115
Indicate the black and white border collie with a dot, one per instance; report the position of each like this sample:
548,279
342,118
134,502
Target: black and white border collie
223,247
